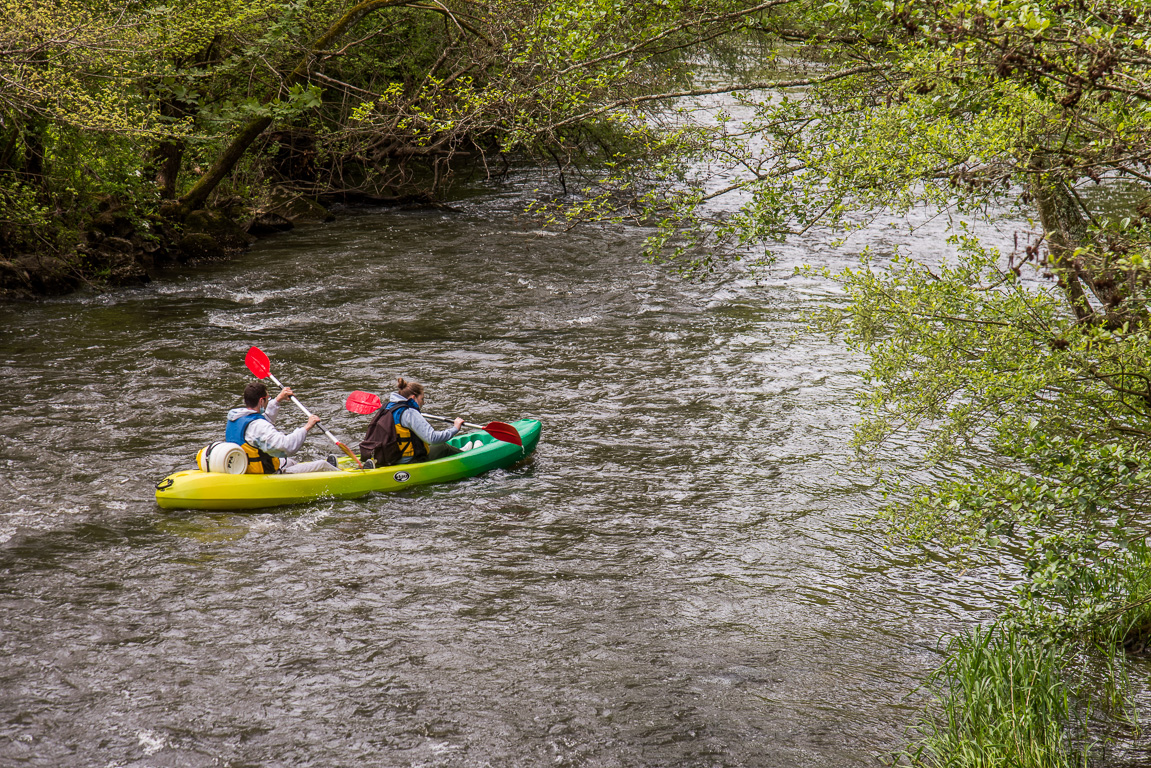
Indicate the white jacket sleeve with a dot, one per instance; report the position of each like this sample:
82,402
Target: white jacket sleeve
263,434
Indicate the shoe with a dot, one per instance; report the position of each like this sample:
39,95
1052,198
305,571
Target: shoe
370,464
332,460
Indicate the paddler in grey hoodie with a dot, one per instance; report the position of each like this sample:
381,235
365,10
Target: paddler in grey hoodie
253,428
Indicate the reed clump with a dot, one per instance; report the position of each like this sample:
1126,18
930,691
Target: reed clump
1046,685
1002,699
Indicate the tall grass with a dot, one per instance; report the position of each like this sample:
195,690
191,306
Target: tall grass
1046,685
1002,700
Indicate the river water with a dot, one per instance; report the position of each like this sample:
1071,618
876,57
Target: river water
683,575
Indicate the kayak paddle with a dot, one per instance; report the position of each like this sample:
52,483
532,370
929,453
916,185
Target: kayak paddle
366,403
259,364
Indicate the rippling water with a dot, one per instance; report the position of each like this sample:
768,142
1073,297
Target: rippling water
682,576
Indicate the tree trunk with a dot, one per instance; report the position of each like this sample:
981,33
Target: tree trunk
1075,257
169,155
9,145
231,155
1065,230
34,153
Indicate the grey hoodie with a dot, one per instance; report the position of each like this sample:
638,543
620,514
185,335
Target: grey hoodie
263,434
414,420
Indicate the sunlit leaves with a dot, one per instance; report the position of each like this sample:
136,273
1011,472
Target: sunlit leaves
1042,423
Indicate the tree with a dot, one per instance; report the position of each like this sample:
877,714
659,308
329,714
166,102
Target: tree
48,89
378,97
969,108
1029,372
86,85
958,105
494,78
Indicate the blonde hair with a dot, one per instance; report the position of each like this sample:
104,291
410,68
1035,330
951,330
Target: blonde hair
408,389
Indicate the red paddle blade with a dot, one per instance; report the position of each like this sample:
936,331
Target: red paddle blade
258,363
505,432
362,402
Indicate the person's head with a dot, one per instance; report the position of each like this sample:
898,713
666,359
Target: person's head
254,393
410,390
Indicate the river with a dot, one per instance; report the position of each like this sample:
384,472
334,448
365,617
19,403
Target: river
683,575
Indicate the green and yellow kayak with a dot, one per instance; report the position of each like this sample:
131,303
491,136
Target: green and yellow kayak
194,489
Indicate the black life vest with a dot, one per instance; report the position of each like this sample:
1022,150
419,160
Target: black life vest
389,442
259,462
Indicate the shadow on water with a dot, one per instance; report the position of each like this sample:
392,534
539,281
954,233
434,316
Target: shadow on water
683,575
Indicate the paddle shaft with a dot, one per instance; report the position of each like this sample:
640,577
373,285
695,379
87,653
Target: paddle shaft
308,413
448,418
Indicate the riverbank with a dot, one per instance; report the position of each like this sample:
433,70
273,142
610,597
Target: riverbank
121,247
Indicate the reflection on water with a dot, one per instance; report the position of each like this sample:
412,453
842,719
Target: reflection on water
683,575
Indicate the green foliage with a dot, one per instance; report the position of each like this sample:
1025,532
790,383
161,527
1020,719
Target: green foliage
965,107
1044,421
981,353
90,89
1038,425
174,92
1003,701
